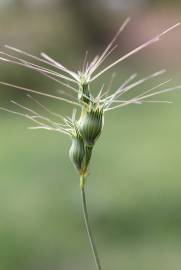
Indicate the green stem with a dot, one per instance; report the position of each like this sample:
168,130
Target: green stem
88,228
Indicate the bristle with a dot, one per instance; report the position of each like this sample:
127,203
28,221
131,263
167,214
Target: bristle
109,49
40,93
139,48
142,98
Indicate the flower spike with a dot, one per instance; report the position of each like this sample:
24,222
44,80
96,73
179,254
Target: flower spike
85,129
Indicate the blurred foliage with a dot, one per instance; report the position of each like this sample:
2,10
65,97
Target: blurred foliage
164,3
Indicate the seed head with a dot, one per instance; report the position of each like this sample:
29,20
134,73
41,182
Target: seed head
84,132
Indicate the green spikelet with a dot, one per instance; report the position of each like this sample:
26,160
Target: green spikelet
77,152
90,125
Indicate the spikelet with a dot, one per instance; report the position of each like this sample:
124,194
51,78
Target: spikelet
91,124
77,151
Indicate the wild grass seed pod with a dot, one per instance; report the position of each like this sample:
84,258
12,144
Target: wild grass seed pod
91,124
77,151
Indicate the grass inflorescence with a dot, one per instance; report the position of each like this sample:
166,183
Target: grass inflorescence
86,123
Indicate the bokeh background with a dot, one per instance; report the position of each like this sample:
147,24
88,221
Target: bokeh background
134,187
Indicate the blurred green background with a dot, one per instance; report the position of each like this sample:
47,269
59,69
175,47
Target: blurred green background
134,187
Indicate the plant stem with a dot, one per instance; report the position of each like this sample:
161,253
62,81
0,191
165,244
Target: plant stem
88,228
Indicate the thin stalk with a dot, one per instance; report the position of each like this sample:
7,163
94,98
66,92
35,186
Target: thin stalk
88,228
